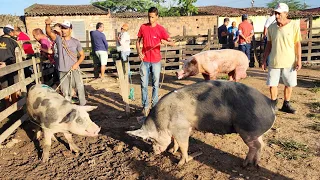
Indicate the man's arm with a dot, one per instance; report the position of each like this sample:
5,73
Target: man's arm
81,58
266,54
298,54
265,30
139,49
169,42
104,40
52,35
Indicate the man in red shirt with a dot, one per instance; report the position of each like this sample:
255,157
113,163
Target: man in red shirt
21,36
245,35
152,35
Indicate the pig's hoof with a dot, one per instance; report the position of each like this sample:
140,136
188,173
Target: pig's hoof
45,158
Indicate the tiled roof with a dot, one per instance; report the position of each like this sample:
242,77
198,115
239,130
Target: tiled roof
63,10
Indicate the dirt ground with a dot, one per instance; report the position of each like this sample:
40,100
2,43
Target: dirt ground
292,146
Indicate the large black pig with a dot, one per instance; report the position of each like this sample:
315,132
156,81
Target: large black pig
221,107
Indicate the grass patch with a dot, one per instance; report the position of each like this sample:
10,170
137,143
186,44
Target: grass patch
315,89
291,150
315,126
313,116
225,77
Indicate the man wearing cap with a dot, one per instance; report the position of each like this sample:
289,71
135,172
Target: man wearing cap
124,41
68,50
245,35
21,36
223,33
7,57
100,46
284,48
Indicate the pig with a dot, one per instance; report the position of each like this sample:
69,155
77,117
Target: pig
209,63
221,107
54,114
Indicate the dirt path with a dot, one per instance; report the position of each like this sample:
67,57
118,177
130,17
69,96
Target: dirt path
292,146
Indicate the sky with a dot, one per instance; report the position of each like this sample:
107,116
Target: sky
16,7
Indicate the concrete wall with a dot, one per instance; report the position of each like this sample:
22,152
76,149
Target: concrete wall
195,25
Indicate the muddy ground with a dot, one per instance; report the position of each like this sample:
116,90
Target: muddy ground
292,146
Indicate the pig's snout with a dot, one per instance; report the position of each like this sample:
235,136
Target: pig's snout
180,74
93,130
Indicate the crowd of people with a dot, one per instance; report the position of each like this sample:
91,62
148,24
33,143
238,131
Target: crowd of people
66,54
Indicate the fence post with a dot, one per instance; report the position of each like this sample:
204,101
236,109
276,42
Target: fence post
209,38
20,71
87,38
124,84
34,65
184,32
310,39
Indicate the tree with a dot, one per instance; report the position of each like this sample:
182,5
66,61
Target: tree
293,4
126,5
187,7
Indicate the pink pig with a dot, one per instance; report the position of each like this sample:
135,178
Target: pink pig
233,62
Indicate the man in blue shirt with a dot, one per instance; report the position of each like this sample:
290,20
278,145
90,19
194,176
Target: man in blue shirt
233,35
100,46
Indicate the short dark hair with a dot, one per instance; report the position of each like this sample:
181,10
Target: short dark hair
226,19
153,10
99,24
18,29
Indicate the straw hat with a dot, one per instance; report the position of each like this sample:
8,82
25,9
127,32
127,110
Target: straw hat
125,27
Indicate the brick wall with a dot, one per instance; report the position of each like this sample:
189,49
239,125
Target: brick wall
194,24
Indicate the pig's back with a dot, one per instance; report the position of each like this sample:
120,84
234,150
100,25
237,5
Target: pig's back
223,107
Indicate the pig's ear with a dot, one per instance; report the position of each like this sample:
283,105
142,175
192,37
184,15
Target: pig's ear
88,108
193,61
139,133
70,116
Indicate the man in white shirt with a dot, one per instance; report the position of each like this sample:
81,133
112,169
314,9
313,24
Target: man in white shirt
269,21
124,42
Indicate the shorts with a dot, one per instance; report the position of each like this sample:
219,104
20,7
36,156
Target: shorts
288,75
103,57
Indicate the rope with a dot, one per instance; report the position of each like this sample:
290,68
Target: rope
64,77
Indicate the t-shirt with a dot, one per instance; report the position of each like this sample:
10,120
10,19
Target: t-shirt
125,41
270,20
222,39
245,28
45,43
233,31
151,38
27,46
283,40
98,41
66,61
7,50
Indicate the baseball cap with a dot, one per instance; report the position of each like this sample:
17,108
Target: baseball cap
244,16
7,29
125,27
66,24
9,26
282,7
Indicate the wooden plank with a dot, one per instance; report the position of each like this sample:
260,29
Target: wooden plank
16,87
21,75
311,62
13,127
15,67
34,66
312,47
13,108
90,61
311,55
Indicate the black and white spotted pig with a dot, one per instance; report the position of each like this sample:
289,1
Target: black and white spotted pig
55,114
221,107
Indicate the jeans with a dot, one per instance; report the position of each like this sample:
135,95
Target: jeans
246,49
124,57
72,81
145,69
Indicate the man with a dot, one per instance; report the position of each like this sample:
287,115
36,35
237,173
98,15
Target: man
233,35
45,44
21,36
284,48
7,57
100,46
124,42
223,33
245,35
68,48
152,35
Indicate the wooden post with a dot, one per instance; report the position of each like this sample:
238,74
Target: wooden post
35,71
123,85
184,32
310,39
21,71
87,38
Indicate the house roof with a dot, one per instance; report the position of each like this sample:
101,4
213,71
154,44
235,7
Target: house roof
64,10
13,20
256,11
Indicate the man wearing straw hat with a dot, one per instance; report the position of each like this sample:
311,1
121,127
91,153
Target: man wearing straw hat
124,42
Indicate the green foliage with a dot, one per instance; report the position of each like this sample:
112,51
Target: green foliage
126,5
293,4
291,150
187,7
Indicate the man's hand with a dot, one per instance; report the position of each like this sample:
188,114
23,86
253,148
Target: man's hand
141,56
2,64
75,66
48,21
264,65
298,65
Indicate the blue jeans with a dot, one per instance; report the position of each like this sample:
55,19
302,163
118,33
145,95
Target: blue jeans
145,69
246,49
124,57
